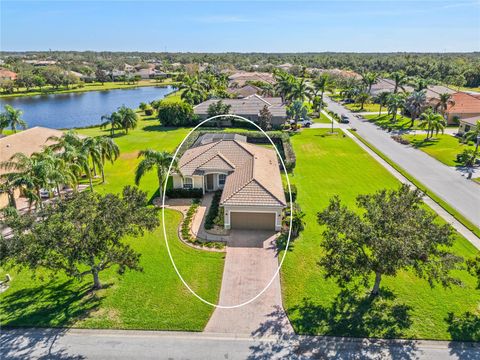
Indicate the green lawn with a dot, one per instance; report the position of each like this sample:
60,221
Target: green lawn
333,164
384,121
152,299
366,108
322,119
442,147
95,86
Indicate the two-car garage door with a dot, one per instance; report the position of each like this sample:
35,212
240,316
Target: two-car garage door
248,220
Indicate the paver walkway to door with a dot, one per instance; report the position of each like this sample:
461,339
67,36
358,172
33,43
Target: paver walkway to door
250,263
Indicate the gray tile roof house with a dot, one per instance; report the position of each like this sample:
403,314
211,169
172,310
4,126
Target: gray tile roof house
249,175
432,91
249,108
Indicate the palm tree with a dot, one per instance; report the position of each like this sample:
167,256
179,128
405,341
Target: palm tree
108,151
394,103
444,100
128,118
160,160
113,120
400,79
284,84
431,122
369,79
60,171
473,135
415,104
192,90
362,98
420,84
320,85
11,117
382,100
300,90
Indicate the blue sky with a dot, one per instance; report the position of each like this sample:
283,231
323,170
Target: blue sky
271,26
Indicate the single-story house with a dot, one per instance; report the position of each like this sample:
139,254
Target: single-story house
26,142
244,91
240,78
462,106
248,175
149,73
468,124
7,75
249,108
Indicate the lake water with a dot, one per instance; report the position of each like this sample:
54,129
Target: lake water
62,111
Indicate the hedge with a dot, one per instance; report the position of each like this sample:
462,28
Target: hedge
213,211
184,193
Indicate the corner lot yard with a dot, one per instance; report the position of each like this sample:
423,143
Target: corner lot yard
409,308
152,299
442,147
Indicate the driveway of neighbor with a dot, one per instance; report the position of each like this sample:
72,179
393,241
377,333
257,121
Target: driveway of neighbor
251,262
447,183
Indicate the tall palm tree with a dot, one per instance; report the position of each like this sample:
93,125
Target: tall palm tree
444,100
369,79
61,173
192,90
91,150
108,151
152,159
320,85
420,84
382,100
113,120
128,118
400,79
12,118
300,90
394,103
473,135
431,122
415,104
284,84
362,99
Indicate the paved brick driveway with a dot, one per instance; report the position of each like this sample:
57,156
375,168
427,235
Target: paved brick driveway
250,263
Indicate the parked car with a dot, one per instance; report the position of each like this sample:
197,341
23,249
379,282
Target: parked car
305,123
344,119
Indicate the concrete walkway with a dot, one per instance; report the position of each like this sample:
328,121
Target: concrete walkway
461,194
250,264
76,344
457,225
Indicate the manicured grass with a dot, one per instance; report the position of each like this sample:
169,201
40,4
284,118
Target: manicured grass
409,308
467,223
384,121
442,147
95,86
322,119
366,108
152,299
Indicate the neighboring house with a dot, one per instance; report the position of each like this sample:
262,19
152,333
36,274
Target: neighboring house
285,66
240,78
335,72
149,73
248,175
7,75
40,62
249,108
243,92
27,142
115,74
467,124
462,106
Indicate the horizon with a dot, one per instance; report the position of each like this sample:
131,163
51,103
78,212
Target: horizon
435,26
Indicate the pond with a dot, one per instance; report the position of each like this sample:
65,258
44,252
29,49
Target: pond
73,110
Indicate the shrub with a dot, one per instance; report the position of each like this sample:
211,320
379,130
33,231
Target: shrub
213,211
400,139
293,189
176,114
184,193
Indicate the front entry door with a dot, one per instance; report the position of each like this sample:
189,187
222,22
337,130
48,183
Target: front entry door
210,182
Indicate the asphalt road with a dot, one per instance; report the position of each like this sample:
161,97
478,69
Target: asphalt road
444,181
98,344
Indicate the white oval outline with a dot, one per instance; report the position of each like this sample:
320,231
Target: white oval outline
165,230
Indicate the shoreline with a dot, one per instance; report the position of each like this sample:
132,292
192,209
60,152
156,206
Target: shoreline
91,87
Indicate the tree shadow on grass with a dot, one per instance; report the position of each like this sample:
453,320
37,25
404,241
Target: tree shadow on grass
352,314
159,127
422,143
465,329
49,305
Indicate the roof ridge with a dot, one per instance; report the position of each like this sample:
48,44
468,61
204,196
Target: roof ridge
219,154
201,153
264,188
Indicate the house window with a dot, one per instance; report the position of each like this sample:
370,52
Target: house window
187,183
221,179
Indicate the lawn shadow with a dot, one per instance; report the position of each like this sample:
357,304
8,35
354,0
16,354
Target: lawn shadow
464,327
421,143
49,304
351,314
34,343
281,243
159,127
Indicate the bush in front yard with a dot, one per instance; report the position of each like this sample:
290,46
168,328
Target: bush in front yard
213,211
184,193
